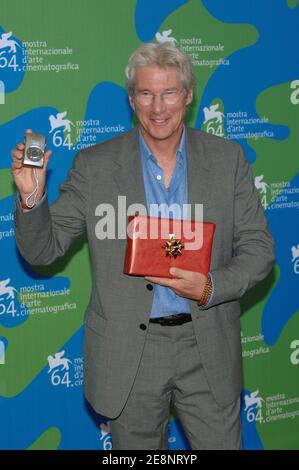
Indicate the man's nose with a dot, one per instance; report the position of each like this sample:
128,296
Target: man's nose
158,103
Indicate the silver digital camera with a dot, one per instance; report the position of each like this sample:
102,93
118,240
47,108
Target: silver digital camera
34,150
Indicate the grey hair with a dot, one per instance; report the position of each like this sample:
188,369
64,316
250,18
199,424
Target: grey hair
162,55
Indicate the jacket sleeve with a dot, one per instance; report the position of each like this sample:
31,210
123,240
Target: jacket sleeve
45,233
253,246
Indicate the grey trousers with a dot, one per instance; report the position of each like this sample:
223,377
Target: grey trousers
171,374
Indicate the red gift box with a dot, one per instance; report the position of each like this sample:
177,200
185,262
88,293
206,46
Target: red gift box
156,244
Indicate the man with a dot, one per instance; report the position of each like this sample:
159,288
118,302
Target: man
153,342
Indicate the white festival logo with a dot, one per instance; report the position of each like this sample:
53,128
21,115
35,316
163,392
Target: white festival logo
295,354
212,113
252,400
60,121
261,185
7,290
58,361
105,429
105,436
6,42
295,258
295,252
165,37
2,92
2,352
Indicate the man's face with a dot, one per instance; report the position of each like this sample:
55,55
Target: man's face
160,119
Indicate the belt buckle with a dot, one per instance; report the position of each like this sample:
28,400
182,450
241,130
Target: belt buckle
175,320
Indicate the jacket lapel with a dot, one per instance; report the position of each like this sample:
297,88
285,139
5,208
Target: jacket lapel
129,179
128,174
199,184
199,175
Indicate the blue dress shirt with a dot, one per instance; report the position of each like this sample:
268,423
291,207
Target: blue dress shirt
165,300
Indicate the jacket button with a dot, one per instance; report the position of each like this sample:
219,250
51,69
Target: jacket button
149,286
142,326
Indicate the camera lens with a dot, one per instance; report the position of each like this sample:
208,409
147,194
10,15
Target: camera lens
34,154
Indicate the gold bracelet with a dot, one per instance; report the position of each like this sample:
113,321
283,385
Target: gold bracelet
206,293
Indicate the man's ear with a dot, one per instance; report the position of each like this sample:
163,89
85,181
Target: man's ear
189,97
132,103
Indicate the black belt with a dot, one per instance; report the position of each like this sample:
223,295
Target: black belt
172,320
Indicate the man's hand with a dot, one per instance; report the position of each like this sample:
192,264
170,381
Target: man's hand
185,283
23,176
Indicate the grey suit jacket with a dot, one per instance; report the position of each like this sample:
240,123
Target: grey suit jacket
118,312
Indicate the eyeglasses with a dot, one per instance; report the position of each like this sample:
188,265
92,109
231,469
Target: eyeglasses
146,98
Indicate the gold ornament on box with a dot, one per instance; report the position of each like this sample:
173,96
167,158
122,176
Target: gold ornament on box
173,247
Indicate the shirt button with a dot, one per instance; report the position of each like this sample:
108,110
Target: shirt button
142,326
159,177
149,286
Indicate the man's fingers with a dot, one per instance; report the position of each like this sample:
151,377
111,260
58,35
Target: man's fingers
174,284
163,281
17,165
157,280
48,154
17,155
180,273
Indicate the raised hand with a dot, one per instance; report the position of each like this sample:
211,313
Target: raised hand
24,176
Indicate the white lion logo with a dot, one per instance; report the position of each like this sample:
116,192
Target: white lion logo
164,37
295,252
212,113
2,92
105,429
261,185
7,290
2,352
6,42
59,121
253,399
57,361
